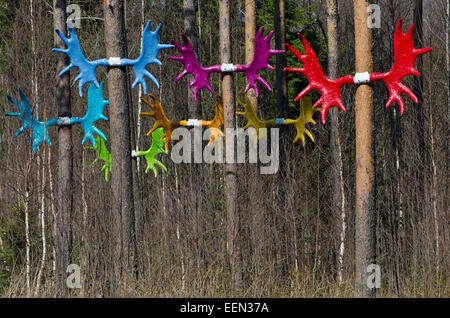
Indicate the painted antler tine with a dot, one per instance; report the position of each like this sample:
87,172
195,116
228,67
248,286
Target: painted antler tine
186,41
158,28
175,43
176,58
62,36
269,36
262,81
147,102
422,51
156,126
306,45
294,51
304,92
155,101
182,74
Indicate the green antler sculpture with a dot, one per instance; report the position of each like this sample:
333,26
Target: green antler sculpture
102,154
156,148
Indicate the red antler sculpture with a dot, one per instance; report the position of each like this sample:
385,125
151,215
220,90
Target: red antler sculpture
330,89
404,57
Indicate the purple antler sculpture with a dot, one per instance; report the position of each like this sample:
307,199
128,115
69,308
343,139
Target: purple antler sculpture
260,61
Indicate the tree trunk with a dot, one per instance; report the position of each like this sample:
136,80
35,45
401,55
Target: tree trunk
420,153
336,152
365,174
123,237
195,171
447,56
140,209
63,239
282,107
27,228
254,187
233,236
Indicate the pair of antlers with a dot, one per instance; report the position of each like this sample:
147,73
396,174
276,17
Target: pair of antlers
163,122
102,153
201,74
404,57
96,105
305,117
149,55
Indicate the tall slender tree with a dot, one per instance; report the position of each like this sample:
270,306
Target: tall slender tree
63,238
233,227
282,108
123,239
420,152
336,152
365,172
196,174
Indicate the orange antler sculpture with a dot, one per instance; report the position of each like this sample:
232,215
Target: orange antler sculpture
169,126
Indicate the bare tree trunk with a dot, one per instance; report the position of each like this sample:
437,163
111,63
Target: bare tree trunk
43,235
65,154
41,173
282,107
254,187
365,174
336,152
27,229
85,240
250,33
434,171
447,56
52,205
281,76
122,208
419,111
233,236
139,212
179,241
196,175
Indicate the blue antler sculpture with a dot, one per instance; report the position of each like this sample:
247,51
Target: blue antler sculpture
96,105
149,55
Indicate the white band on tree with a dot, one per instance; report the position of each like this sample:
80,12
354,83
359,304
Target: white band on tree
361,78
227,68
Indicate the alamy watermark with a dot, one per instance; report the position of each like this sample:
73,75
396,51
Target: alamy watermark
74,16
374,18
74,279
233,150
374,278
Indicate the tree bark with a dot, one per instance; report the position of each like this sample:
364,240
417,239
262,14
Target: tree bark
196,173
123,238
63,239
233,235
282,107
336,152
420,153
365,174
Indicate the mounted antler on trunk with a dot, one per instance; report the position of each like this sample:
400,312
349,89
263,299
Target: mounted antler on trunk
404,57
260,61
330,89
